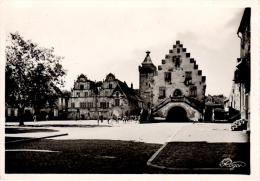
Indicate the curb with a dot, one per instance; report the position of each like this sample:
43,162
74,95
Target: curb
149,163
32,139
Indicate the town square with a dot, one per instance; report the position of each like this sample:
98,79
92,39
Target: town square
121,89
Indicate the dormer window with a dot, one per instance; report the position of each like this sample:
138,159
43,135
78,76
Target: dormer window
81,87
117,102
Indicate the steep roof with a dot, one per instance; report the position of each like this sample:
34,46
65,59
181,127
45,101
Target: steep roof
128,92
147,64
245,21
147,59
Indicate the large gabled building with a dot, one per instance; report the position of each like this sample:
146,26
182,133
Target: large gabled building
176,90
106,99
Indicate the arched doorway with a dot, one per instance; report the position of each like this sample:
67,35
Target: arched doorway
177,114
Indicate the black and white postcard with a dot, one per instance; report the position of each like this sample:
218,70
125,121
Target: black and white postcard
130,90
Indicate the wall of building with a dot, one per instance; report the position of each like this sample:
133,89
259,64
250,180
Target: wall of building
240,93
178,73
177,76
106,99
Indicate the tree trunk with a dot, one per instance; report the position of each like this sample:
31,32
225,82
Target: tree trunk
21,116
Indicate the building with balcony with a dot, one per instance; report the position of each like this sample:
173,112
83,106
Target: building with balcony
239,100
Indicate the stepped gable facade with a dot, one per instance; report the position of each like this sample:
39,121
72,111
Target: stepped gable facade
106,99
176,89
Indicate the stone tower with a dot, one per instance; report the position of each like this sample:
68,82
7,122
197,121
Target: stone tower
147,71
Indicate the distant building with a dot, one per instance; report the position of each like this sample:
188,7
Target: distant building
215,108
56,109
239,99
176,90
102,100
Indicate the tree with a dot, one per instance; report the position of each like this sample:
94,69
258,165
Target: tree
33,74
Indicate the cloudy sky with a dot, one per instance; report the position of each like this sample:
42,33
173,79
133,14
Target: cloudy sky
97,39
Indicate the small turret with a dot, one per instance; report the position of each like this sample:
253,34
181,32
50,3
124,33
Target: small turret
147,71
147,64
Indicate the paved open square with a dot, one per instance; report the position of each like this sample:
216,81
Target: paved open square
125,145
132,131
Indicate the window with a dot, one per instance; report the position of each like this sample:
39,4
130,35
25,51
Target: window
103,105
188,78
78,94
86,94
163,61
81,87
83,105
177,62
168,76
117,93
177,93
161,92
72,105
117,102
247,106
178,50
193,91
110,86
188,75
89,104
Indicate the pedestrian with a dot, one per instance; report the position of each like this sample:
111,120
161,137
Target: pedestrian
98,120
101,118
34,118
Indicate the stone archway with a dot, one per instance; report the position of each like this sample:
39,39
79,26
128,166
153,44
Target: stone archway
177,114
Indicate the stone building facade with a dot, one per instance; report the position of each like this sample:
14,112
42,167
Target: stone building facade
108,99
215,108
176,90
240,93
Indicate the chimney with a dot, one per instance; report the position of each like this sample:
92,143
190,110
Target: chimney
131,85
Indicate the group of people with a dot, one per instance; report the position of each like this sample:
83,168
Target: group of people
116,119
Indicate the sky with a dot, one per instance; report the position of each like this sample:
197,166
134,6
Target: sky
98,39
